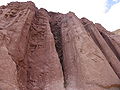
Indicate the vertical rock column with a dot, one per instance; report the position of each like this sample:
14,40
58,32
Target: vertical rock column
85,67
104,47
15,21
44,70
110,41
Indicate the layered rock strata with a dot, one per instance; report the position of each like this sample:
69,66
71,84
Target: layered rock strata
41,50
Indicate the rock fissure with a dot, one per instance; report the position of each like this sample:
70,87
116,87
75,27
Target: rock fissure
41,50
103,45
107,39
56,31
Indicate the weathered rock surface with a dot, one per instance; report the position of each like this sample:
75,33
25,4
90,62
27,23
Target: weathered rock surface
29,44
41,50
116,39
117,32
15,21
108,36
44,69
85,66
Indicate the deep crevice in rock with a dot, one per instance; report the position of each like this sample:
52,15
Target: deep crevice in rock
58,41
58,45
110,45
101,48
56,31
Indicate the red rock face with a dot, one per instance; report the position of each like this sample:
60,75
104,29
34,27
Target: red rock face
41,50
15,21
100,37
44,69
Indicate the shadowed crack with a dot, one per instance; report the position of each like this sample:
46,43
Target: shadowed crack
56,31
106,38
106,86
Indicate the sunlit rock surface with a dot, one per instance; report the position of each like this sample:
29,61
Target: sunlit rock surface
41,50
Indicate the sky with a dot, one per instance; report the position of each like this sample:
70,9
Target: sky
105,12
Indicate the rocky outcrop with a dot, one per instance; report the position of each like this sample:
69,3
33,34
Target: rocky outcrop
15,21
44,69
117,32
103,41
83,60
41,50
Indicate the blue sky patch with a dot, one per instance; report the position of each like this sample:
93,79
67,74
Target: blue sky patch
110,3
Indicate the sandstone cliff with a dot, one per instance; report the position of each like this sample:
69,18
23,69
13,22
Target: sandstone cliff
41,50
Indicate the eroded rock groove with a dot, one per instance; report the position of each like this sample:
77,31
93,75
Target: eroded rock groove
42,50
55,24
107,39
